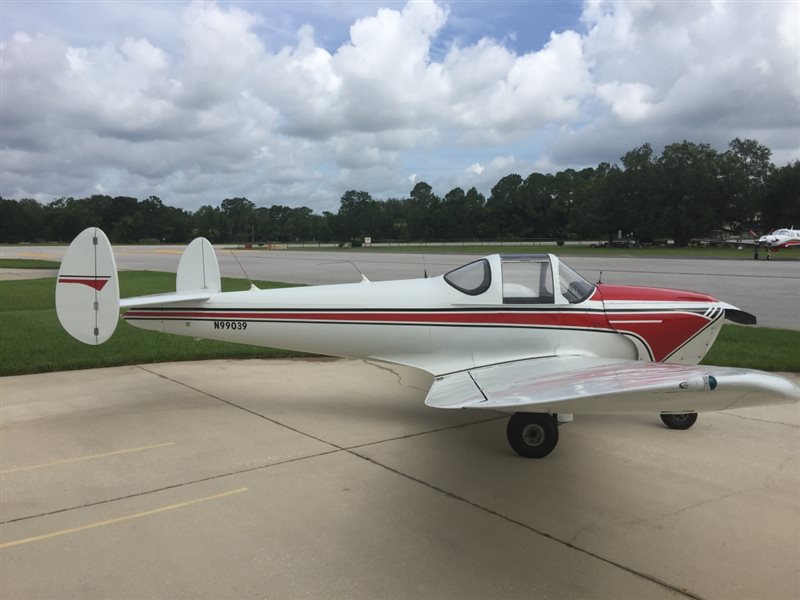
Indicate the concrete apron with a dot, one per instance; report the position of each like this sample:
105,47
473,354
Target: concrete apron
330,478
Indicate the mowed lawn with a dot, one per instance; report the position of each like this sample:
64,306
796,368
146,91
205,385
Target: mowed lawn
32,341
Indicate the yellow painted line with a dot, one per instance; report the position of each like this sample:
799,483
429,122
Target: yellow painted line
139,515
167,252
82,458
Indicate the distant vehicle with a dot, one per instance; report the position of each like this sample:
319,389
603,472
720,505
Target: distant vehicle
523,334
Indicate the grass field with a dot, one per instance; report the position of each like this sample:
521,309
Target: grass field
32,341
757,348
25,263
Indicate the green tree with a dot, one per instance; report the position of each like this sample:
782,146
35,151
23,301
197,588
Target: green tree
745,168
12,222
360,214
239,218
502,207
781,203
422,212
209,222
692,198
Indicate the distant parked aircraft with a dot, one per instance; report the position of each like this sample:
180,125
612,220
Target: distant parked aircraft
778,239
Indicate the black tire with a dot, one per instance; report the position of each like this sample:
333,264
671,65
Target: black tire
679,420
532,435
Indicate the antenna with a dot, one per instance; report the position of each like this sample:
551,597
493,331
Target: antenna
252,285
600,279
364,278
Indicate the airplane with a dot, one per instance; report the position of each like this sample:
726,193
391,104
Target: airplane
521,334
773,241
778,239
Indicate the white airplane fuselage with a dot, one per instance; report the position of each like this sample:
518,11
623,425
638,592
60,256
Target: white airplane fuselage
780,238
428,324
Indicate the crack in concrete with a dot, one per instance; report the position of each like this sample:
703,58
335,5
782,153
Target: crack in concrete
761,420
351,451
171,487
532,529
765,483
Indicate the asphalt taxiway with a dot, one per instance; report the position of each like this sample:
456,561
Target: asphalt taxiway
330,479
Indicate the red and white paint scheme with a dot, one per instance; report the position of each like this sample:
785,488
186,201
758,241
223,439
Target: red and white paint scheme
778,239
519,333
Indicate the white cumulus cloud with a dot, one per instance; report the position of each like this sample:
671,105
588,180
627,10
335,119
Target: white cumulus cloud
223,108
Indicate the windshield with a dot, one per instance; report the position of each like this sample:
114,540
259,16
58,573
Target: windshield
573,287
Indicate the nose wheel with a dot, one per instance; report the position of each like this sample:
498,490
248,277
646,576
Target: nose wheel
532,435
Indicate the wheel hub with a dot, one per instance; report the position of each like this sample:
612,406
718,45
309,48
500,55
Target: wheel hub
533,434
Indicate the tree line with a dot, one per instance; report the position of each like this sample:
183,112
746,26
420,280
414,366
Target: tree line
687,191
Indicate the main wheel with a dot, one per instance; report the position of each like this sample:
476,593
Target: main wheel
532,435
679,420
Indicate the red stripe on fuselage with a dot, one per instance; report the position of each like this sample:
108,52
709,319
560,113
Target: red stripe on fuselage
549,319
667,332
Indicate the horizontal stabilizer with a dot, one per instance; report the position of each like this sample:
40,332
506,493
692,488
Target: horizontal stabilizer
197,279
159,299
583,384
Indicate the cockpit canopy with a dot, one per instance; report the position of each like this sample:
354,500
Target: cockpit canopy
780,232
523,278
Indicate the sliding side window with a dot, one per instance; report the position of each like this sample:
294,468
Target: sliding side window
527,282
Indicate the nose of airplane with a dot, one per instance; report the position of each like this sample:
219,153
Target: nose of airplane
635,293
660,298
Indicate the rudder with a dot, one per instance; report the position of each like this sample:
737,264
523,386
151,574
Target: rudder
198,268
87,289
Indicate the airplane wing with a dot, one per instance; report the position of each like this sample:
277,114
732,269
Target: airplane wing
585,384
745,242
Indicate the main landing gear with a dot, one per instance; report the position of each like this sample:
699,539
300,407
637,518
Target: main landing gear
679,420
532,435
535,435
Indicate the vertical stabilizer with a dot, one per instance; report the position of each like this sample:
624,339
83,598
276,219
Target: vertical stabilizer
198,269
87,290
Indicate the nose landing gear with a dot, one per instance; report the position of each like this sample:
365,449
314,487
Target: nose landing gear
758,247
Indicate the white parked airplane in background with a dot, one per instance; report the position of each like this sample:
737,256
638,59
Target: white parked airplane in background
778,239
524,334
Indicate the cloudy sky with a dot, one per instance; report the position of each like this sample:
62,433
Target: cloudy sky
296,102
